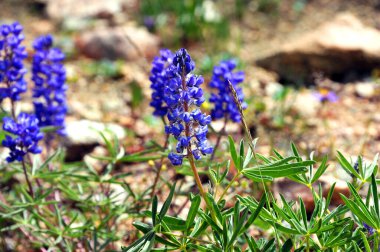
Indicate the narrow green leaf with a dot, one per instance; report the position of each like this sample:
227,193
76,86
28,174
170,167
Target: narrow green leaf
375,195
167,203
255,214
288,245
321,169
154,209
303,212
195,203
329,196
316,227
251,243
347,166
369,170
215,207
365,241
279,171
363,216
295,151
143,227
278,155
233,152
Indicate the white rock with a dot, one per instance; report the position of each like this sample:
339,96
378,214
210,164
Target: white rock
87,132
306,104
272,88
365,90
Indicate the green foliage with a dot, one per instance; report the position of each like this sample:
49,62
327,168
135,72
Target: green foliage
88,204
219,227
292,227
193,19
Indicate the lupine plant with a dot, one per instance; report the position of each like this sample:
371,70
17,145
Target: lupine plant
75,207
220,227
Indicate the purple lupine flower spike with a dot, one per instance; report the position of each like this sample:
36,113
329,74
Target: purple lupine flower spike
158,80
24,136
12,55
49,77
224,105
183,97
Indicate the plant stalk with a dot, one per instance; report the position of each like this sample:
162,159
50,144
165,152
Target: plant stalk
228,186
159,169
27,178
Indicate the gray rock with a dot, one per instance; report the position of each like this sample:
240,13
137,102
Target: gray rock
59,10
125,42
337,47
83,136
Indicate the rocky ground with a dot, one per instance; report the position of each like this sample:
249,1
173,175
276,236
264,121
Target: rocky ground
267,45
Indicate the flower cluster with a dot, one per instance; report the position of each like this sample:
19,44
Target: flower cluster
12,54
183,97
24,137
225,106
49,77
159,79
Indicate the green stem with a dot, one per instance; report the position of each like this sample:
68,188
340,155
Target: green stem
159,169
316,195
376,243
27,179
196,174
360,186
228,186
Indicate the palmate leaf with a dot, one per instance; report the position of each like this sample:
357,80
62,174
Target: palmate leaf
277,170
360,210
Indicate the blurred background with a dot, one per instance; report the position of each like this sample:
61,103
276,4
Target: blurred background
312,66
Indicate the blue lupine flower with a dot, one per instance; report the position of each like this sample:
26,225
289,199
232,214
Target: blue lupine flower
223,100
12,55
159,79
186,122
49,77
23,138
